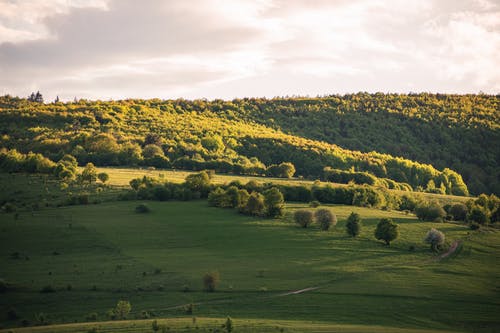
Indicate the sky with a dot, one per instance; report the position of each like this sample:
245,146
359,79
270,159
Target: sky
116,49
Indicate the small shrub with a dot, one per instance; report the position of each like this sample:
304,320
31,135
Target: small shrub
142,208
9,207
412,248
430,212
122,309
12,314
185,288
41,319
189,308
48,289
314,204
229,325
155,326
458,211
474,226
210,281
3,286
303,217
325,218
92,316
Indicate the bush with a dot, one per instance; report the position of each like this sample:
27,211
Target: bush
103,177
142,208
353,225
387,231
314,204
48,289
92,316
274,202
459,212
325,218
303,217
229,325
3,286
122,309
478,215
210,281
474,226
12,314
155,326
430,212
435,238
255,205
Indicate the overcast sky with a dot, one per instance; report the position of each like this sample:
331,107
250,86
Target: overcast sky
102,49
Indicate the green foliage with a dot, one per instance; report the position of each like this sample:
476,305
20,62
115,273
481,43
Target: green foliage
243,136
387,230
459,211
142,208
89,174
255,205
122,309
353,224
154,326
435,238
303,217
478,214
274,202
229,325
430,211
210,281
325,218
103,177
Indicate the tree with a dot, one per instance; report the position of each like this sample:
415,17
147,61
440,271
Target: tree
155,326
478,215
199,182
435,238
274,202
89,173
255,205
152,150
210,281
353,224
387,230
229,325
459,212
103,177
430,212
325,218
122,309
303,217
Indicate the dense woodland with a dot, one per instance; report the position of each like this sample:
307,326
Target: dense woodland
277,137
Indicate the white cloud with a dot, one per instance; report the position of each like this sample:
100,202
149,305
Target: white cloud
226,48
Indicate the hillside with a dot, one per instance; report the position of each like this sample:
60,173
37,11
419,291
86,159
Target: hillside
78,261
237,137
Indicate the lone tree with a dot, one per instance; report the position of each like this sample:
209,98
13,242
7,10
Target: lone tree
325,218
210,281
122,309
435,238
303,217
353,224
89,173
103,177
387,230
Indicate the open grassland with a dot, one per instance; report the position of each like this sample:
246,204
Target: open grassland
95,255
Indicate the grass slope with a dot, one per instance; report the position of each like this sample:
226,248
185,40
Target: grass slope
107,252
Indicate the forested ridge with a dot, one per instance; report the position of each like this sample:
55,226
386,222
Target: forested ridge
255,136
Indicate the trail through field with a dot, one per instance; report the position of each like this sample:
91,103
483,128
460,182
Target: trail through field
295,292
450,251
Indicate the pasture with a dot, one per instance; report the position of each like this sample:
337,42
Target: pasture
92,256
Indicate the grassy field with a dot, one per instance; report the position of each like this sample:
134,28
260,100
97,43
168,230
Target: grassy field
96,255
122,177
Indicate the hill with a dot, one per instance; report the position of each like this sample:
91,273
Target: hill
77,262
239,136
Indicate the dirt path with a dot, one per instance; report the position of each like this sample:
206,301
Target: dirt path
295,292
450,251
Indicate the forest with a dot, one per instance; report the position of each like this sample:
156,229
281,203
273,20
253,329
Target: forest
421,142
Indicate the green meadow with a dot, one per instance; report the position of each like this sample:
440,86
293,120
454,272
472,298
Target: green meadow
95,255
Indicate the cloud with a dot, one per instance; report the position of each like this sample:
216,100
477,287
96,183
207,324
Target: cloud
228,48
